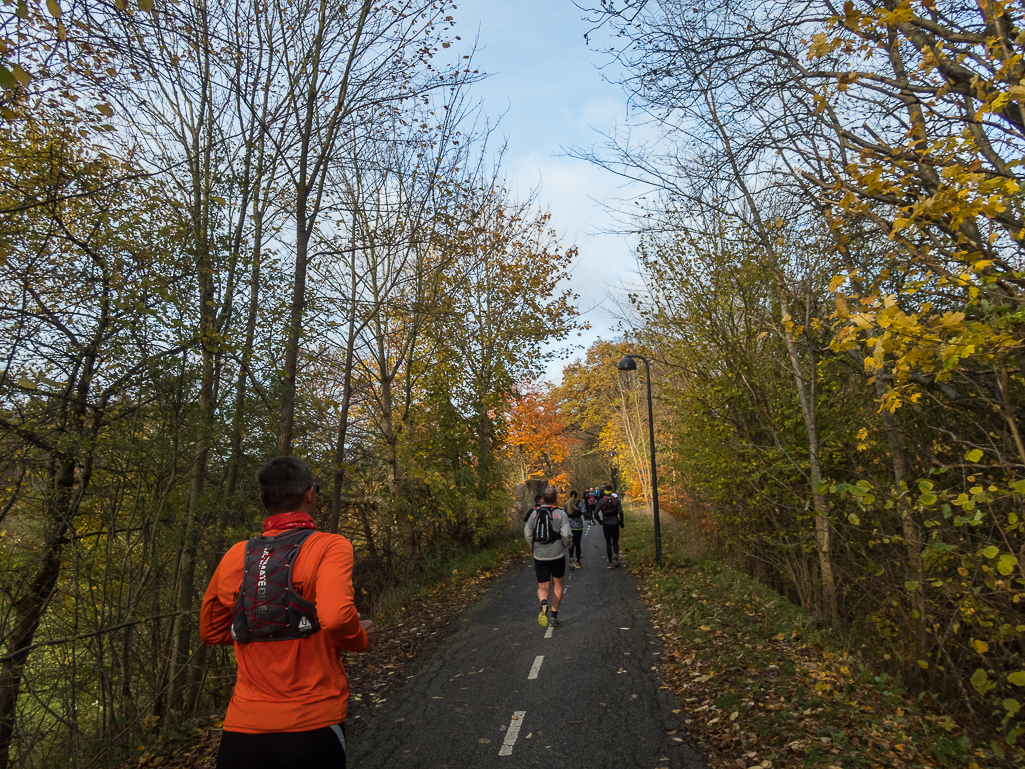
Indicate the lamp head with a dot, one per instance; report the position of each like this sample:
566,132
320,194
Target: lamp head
627,364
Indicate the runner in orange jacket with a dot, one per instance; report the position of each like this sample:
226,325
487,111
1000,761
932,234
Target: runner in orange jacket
290,698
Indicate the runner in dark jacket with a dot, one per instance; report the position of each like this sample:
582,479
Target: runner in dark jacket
610,513
575,510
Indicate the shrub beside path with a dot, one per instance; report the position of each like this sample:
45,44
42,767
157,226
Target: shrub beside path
764,686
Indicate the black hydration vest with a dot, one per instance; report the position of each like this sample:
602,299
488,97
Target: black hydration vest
268,608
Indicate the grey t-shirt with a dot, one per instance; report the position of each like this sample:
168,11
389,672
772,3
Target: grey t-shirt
551,551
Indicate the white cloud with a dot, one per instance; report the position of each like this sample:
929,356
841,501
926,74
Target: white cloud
554,98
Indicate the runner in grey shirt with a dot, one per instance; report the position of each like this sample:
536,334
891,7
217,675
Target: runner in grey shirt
549,557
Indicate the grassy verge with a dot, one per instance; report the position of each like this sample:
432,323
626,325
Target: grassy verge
762,685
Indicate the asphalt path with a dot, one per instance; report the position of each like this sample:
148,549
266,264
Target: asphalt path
504,692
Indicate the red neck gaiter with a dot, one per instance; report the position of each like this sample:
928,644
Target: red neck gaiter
283,521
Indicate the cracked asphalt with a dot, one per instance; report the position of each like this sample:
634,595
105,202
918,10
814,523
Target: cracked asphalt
595,699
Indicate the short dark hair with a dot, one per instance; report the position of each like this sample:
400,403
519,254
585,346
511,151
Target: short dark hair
537,498
608,487
283,481
551,495
573,493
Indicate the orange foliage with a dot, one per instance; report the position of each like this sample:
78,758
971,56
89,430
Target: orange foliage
539,439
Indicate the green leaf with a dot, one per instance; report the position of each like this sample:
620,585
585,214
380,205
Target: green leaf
145,5
22,11
981,681
911,585
27,383
991,552
105,109
854,519
925,486
1018,678
7,81
927,499
974,455
1007,564
1018,486
54,8
1011,706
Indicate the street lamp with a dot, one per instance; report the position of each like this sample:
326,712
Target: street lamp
629,364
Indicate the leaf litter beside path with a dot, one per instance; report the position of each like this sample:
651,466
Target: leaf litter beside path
760,685
406,632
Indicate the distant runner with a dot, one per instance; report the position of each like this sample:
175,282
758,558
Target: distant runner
575,509
610,513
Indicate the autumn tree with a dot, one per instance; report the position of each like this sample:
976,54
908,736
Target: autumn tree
83,281
539,440
875,142
504,300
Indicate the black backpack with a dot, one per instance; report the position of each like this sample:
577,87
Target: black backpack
544,526
268,608
610,510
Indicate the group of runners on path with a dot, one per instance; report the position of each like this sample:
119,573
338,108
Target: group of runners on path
553,533
285,600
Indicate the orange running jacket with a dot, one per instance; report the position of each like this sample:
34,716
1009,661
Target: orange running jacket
290,686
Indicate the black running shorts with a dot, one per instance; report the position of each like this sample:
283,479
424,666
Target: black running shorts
317,749
545,570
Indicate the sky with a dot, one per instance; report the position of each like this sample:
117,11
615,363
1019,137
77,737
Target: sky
547,82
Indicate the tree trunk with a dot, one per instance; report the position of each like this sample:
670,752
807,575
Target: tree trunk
343,421
823,535
484,445
395,486
193,526
913,536
235,460
29,609
296,313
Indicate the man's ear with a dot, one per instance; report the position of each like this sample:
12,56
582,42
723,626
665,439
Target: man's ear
310,496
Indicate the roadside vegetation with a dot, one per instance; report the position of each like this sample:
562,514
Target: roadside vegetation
831,289
763,683
203,265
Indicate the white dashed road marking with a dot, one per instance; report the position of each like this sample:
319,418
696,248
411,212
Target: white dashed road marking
536,666
548,634
513,732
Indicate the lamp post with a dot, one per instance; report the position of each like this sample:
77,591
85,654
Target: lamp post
629,364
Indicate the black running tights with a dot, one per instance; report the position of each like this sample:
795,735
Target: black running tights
317,749
611,532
